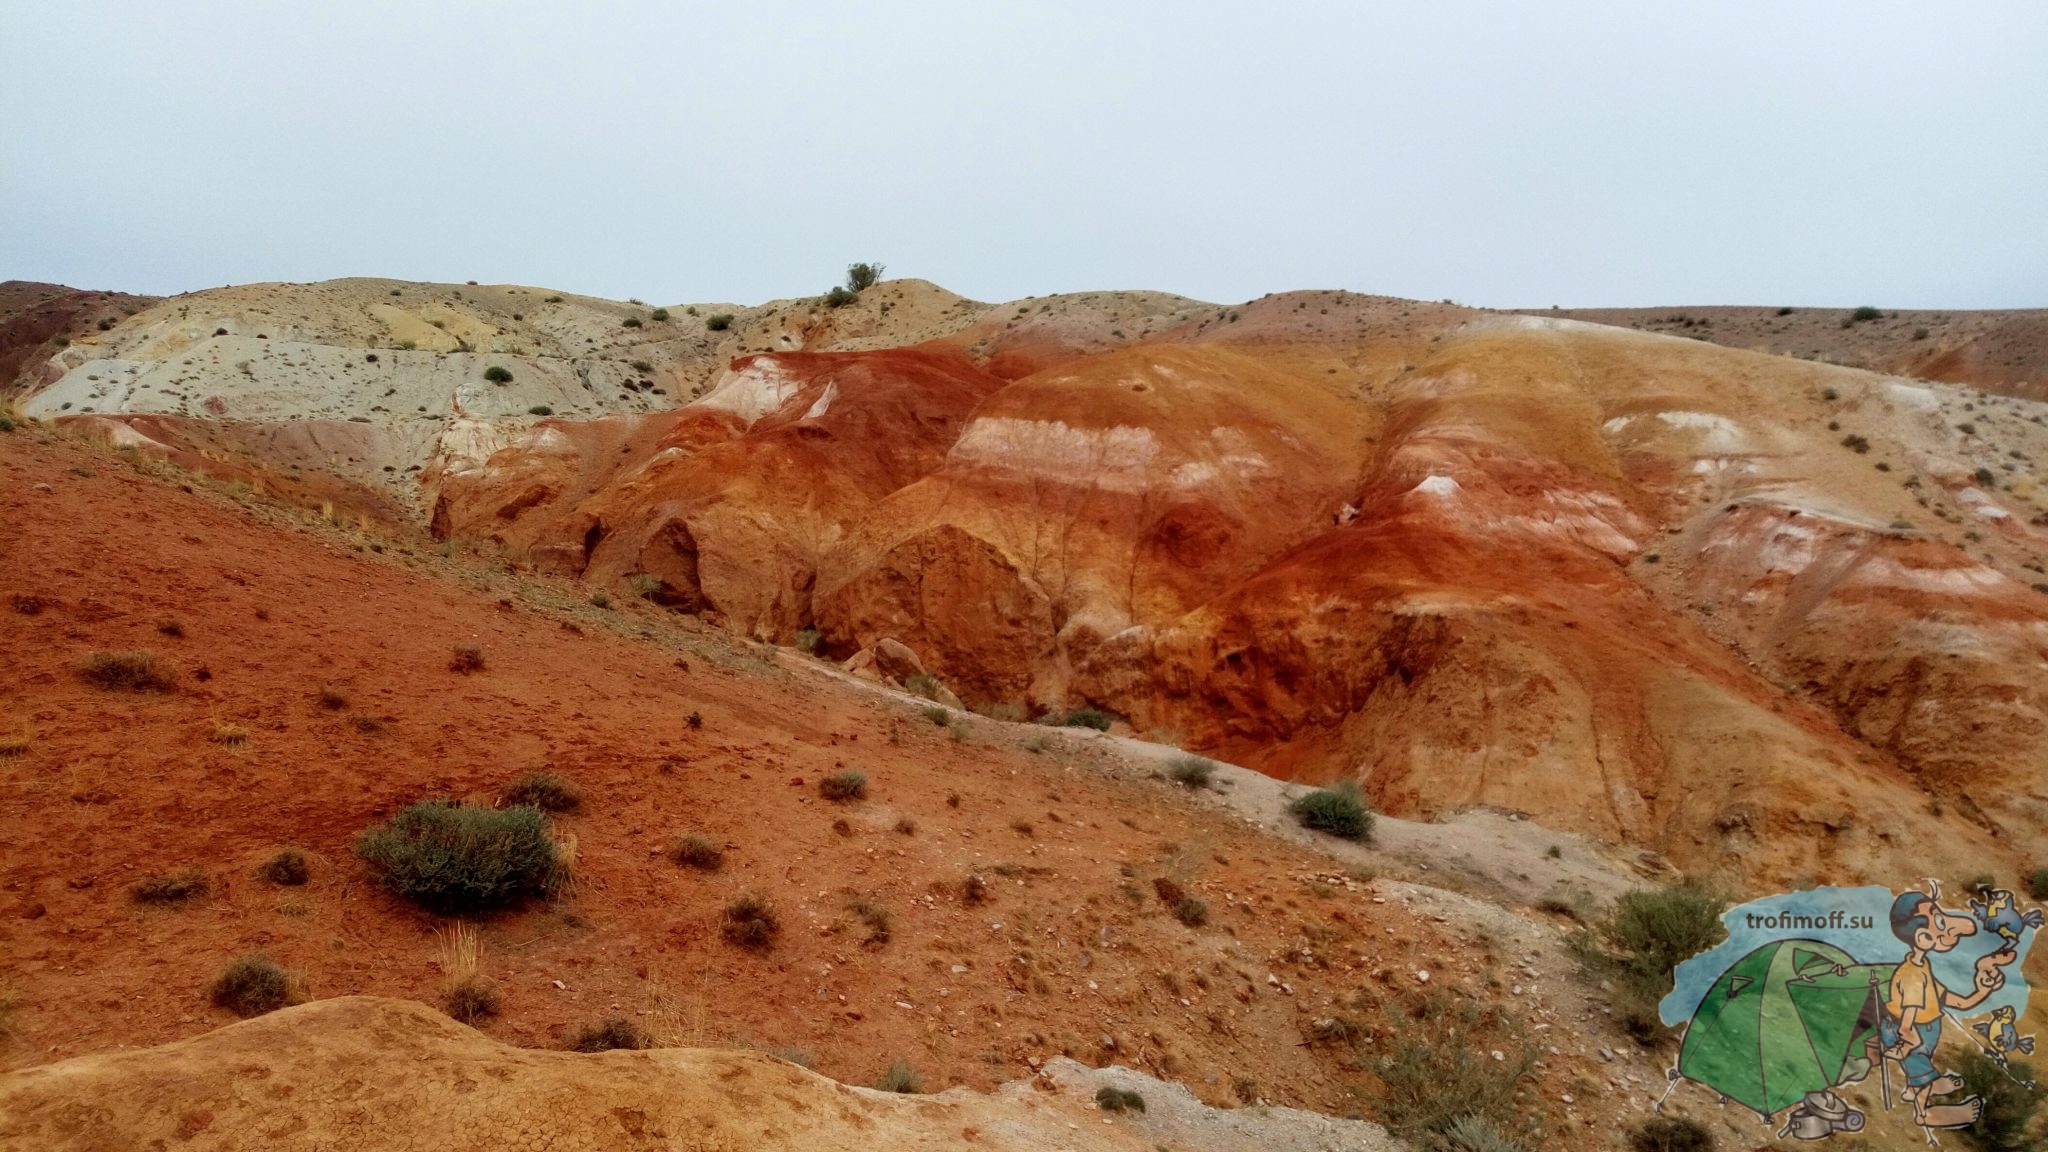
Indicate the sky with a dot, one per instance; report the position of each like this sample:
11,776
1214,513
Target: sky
1500,154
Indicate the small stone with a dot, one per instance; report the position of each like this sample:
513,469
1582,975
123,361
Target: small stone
1422,977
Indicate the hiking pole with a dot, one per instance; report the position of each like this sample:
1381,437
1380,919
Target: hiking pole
1670,1082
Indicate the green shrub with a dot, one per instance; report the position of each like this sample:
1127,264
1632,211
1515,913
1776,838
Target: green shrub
540,410
939,715
1669,1134
2007,1121
1191,772
454,860
863,276
135,671
698,851
658,314
1094,718
498,375
630,322
644,584
1438,1071
252,986
1113,1099
642,366
840,297
924,684
1985,477
288,868
170,887
1864,314
608,1034
1338,811
750,922
1641,941
2037,884
900,1077
1191,911
7,423
601,599
808,640
843,786
718,321
1658,928
1478,1134
545,791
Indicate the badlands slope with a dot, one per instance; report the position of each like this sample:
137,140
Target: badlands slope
1750,612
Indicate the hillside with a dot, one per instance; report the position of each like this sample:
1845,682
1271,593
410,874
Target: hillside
1997,351
1580,607
1749,612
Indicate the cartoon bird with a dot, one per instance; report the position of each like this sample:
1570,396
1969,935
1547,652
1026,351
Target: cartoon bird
2002,1036
1998,912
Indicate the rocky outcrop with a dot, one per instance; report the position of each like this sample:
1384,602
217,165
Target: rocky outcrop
365,1072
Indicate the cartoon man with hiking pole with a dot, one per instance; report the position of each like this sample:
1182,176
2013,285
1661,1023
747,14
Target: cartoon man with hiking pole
1913,1013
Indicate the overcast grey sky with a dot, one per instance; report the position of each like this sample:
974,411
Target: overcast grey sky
1508,154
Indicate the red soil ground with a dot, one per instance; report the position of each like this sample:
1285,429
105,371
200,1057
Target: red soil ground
1072,952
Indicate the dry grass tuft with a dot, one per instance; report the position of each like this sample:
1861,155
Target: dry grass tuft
466,993
232,735
698,851
468,658
289,868
750,922
135,671
171,887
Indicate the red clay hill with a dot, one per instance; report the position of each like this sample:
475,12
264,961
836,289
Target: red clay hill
1685,597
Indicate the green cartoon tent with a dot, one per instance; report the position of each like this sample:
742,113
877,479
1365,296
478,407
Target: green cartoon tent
1783,1021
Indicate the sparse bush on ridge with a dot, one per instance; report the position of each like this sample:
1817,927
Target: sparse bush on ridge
610,1034
453,859
718,321
840,297
1113,1099
900,1077
252,986
1338,811
924,684
1094,718
1191,772
863,276
498,375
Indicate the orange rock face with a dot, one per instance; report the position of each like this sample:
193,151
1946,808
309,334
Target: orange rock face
1651,589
